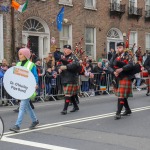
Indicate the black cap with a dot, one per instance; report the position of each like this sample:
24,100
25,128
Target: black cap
121,44
67,46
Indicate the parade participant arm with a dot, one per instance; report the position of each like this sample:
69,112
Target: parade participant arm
34,71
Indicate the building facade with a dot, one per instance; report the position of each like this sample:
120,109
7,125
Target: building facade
99,23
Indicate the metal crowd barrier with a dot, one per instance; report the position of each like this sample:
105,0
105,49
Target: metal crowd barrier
53,89
4,96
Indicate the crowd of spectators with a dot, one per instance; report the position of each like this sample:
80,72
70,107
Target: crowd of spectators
93,77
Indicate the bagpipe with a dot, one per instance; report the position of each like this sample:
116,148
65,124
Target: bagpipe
78,51
126,59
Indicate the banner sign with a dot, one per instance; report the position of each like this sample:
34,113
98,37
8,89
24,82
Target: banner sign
19,82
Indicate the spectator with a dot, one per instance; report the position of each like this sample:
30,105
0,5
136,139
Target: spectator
58,54
33,57
138,54
111,53
41,72
50,60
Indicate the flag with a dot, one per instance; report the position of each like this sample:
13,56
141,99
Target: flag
60,18
20,8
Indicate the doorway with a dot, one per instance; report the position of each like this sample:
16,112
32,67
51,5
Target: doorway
34,44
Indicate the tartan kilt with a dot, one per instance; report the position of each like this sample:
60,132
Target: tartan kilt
71,89
124,88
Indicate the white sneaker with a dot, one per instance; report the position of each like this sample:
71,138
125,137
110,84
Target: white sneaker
138,88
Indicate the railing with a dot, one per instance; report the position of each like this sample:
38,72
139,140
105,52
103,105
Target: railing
116,7
134,10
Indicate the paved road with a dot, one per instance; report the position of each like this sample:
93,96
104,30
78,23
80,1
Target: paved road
91,128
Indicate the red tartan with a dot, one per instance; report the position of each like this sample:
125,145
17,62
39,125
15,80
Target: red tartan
71,89
124,88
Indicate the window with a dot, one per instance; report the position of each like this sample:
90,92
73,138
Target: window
65,36
33,25
147,7
133,41
90,44
65,2
90,4
1,38
115,5
132,3
147,41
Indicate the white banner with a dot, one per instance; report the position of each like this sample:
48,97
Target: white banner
19,82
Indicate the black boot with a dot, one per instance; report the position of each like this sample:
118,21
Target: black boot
127,112
75,106
120,106
67,100
127,108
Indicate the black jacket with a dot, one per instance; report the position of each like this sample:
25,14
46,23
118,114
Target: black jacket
128,69
147,64
70,75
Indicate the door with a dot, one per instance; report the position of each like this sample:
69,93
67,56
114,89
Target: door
33,42
112,45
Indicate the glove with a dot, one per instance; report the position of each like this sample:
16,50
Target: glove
63,67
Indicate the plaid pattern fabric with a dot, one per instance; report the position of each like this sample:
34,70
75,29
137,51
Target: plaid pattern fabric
71,89
124,88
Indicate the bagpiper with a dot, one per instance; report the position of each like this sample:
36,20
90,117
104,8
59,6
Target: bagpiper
123,69
68,69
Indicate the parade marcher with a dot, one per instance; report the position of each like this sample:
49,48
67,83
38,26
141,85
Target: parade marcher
69,78
123,69
24,56
147,67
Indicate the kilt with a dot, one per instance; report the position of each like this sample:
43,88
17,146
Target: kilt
124,88
71,89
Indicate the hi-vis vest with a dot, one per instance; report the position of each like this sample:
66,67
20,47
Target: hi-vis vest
29,65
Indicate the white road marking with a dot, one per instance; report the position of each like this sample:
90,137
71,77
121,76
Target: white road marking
34,144
58,124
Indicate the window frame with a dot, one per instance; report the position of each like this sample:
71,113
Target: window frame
90,7
91,44
136,40
64,2
68,39
146,42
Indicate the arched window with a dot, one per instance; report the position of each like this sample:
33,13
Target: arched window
113,34
33,25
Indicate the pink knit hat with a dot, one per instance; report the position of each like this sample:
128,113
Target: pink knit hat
25,52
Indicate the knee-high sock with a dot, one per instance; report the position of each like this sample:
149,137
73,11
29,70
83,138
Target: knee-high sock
126,105
74,102
67,100
120,105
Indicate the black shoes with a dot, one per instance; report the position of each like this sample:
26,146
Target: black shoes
127,112
64,112
75,109
16,129
34,124
147,94
117,117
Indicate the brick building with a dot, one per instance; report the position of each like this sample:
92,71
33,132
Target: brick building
101,24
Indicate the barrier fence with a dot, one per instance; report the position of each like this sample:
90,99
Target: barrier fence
52,88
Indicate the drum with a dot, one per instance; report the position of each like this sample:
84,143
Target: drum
144,73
